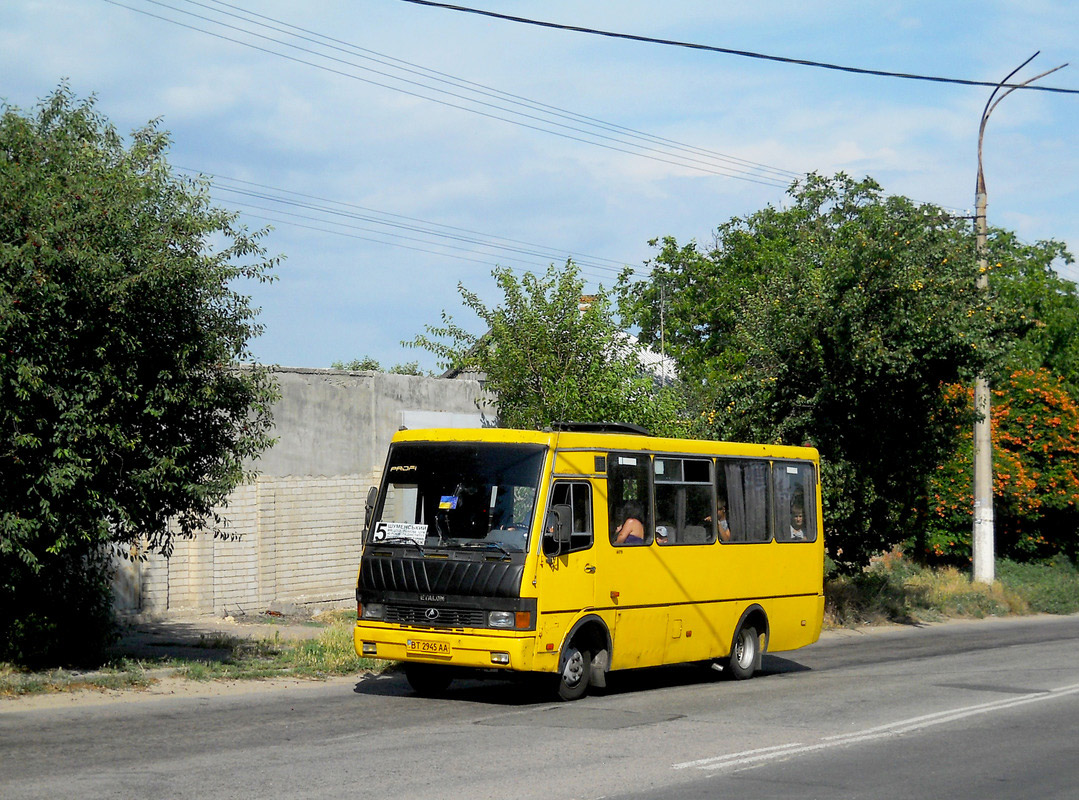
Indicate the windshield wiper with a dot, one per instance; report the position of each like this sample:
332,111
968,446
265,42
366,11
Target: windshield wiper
486,546
400,540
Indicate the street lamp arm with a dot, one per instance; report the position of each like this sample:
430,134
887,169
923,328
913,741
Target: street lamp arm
990,106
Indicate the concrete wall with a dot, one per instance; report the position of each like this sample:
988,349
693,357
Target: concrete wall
294,533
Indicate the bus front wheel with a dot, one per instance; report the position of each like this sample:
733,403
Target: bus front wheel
427,680
745,654
576,673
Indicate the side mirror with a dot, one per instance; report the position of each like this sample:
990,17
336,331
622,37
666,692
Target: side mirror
369,506
558,528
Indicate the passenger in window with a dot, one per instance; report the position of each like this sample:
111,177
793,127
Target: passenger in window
631,529
722,526
798,522
662,534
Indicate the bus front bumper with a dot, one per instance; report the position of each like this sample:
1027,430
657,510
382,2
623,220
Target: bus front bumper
486,649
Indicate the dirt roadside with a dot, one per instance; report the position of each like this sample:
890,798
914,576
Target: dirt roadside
194,638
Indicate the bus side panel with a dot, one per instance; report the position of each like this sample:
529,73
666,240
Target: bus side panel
667,604
793,622
698,632
575,462
638,637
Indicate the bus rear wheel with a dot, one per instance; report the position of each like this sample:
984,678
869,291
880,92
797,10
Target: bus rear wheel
745,653
427,680
576,673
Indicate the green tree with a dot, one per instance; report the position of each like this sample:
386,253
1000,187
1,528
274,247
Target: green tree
549,357
123,414
367,363
837,321
1024,276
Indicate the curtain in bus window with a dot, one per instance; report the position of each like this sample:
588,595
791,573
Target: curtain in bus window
747,500
736,504
755,477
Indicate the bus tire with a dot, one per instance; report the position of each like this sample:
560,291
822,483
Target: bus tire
745,653
576,672
428,680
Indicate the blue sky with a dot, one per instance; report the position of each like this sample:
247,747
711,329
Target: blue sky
433,195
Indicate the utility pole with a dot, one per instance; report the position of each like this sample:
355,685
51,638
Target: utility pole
982,542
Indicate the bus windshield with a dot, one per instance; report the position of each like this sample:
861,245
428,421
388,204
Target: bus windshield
459,495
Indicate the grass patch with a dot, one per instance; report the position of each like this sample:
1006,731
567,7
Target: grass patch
328,654
1050,587
122,674
894,589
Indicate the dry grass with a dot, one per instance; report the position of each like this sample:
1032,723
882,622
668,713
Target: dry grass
895,589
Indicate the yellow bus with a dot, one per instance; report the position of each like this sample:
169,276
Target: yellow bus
586,549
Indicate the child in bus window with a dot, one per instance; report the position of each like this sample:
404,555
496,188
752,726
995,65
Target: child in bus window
798,522
722,526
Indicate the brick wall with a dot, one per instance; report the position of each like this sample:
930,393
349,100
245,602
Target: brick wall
293,534
290,540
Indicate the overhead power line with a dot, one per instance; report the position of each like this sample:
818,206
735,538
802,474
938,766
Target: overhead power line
477,99
483,89
353,220
730,51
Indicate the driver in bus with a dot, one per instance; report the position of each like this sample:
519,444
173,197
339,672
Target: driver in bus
631,531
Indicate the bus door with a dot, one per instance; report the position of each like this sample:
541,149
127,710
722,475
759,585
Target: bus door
566,574
628,588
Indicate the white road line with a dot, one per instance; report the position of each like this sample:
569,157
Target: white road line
880,732
705,762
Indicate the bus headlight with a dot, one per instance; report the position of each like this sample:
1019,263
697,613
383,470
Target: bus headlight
373,611
521,620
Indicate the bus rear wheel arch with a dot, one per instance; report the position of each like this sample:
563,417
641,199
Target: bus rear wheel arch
748,644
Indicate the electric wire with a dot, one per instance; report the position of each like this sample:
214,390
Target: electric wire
390,243
502,258
598,139
363,213
732,52
472,248
499,247
483,89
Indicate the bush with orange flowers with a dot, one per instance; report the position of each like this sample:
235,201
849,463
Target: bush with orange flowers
1035,431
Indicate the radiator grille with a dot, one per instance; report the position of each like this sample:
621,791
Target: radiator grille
446,617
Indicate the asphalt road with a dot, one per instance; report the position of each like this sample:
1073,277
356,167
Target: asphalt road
986,709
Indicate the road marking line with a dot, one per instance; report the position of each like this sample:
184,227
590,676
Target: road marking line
870,734
701,762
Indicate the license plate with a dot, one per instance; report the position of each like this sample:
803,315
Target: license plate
428,647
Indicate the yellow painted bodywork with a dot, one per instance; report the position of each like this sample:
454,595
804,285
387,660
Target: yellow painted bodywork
660,604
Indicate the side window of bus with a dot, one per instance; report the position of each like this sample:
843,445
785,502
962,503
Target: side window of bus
578,496
684,507
795,488
629,492
743,485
